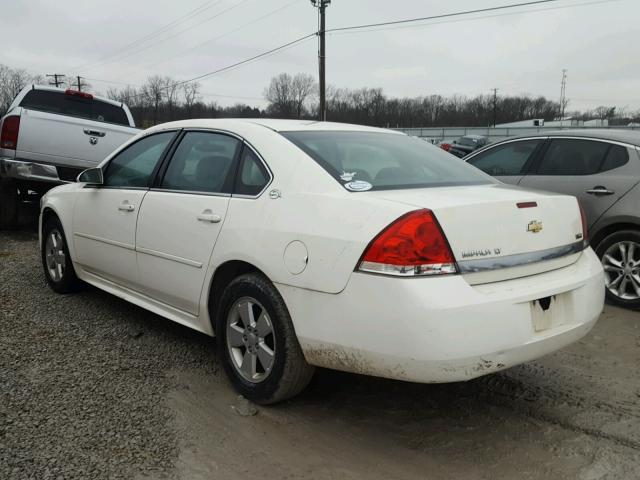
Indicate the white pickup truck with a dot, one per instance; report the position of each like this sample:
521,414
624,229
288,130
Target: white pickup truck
48,136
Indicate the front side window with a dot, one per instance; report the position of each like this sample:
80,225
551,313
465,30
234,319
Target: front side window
133,166
572,157
202,163
385,160
508,159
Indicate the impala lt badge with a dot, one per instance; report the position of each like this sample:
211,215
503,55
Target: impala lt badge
534,226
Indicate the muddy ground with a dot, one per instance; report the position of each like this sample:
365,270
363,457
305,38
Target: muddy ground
93,387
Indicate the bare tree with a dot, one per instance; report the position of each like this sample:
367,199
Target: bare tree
11,82
170,87
153,93
303,88
281,96
191,92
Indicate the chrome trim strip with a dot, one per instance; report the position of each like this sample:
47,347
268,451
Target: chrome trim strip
166,256
189,192
520,259
105,240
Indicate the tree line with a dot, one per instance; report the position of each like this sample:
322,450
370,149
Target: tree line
162,98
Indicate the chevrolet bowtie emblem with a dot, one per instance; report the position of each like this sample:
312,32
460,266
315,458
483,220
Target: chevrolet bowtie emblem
534,226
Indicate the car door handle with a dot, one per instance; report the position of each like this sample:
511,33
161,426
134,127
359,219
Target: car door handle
600,191
126,207
94,133
206,216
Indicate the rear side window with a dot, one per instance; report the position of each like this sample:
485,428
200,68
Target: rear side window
74,106
386,161
617,157
573,157
508,159
202,163
253,176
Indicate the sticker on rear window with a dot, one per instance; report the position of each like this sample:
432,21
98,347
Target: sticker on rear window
358,186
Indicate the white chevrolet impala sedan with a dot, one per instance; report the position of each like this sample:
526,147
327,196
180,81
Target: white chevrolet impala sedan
302,244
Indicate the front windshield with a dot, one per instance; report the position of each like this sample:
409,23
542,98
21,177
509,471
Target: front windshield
385,161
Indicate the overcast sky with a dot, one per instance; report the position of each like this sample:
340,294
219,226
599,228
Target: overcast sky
596,41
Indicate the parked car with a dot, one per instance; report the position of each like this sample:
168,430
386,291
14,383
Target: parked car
444,145
48,136
303,243
602,169
467,144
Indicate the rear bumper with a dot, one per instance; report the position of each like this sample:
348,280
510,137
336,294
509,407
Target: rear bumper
30,171
443,329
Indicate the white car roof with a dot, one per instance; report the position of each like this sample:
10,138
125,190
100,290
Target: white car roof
277,125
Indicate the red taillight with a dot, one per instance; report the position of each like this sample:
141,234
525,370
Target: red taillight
9,135
412,245
76,93
585,232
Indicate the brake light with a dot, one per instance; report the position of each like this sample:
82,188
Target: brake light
412,245
76,93
9,135
585,231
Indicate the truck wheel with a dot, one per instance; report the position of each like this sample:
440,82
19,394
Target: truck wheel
257,344
8,203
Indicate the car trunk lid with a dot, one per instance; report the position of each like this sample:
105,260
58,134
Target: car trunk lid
498,232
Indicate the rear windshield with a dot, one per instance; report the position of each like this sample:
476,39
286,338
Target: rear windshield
386,161
62,104
468,141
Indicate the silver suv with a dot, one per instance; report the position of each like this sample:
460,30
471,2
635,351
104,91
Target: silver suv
602,169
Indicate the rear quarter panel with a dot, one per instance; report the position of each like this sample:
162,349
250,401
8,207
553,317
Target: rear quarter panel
335,225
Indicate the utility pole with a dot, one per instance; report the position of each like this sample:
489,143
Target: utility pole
563,92
322,5
55,80
78,83
495,105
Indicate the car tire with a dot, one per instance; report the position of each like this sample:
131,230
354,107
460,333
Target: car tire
8,203
622,271
56,261
252,321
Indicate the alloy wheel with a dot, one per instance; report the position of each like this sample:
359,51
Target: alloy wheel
250,339
621,263
54,255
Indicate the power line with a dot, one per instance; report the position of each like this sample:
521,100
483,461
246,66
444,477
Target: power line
251,59
155,33
481,17
444,15
195,47
162,40
205,94
396,22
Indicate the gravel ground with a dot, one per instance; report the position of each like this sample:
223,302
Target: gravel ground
83,377
93,387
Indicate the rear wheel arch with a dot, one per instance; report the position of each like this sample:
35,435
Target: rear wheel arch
223,276
608,230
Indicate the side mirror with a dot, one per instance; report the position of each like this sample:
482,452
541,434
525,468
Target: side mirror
92,176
